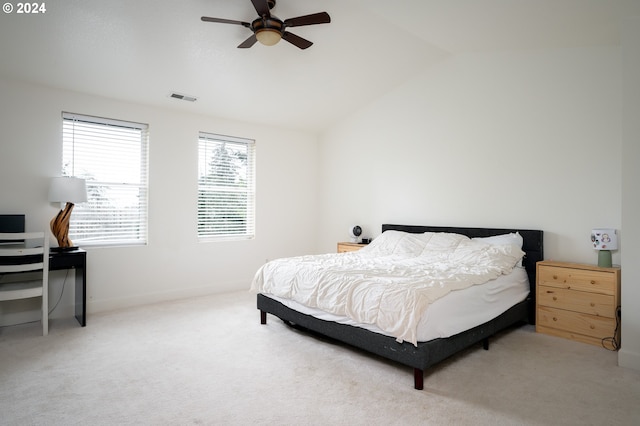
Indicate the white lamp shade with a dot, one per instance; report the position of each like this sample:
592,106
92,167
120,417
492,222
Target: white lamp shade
604,239
68,190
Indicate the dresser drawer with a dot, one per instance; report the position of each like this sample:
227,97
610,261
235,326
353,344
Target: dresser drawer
578,301
577,279
588,325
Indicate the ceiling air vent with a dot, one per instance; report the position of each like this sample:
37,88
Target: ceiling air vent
183,97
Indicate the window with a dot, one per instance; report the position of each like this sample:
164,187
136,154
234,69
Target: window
112,156
226,187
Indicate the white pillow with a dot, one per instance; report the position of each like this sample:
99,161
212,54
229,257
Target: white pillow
514,239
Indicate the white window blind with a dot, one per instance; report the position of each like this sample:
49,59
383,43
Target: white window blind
226,187
112,156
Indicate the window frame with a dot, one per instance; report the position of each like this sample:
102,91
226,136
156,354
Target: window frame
121,218
207,143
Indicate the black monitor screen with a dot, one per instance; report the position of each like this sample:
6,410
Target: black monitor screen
11,223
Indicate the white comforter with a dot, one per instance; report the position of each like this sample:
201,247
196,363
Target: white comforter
392,281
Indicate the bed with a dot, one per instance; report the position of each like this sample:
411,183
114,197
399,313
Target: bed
420,355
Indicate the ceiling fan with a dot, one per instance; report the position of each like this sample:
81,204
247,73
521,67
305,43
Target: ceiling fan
268,29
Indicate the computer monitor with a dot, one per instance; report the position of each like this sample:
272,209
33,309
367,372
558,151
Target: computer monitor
11,223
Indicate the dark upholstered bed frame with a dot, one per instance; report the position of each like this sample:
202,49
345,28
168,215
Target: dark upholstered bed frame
428,353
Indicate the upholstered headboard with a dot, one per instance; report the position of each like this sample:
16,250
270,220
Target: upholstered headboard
532,246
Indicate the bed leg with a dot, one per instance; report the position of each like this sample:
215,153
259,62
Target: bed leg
485,344
263,317
418,379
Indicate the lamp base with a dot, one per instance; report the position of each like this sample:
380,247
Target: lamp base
60,226
604,258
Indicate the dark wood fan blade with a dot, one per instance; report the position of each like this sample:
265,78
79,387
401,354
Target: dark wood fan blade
248,42
315,18
262,7
225,21
296,40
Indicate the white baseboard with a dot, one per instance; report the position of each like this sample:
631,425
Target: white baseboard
25,311
150,298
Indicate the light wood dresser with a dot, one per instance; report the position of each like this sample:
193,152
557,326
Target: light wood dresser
345,247
579,302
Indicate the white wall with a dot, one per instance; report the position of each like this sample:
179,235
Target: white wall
500,140
629,355
173,264
527,139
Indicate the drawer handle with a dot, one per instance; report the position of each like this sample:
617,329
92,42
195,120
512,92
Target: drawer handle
592,326
593,304
555,298
593,281
555,277
555,319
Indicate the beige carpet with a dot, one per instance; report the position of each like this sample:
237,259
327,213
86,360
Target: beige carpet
209,361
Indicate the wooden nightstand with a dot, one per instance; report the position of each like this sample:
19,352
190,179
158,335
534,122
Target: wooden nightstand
346,247
578,302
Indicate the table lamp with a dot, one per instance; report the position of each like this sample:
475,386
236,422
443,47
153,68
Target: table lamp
69,190
604,240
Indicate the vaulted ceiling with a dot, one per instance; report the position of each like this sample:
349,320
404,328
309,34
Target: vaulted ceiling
141,51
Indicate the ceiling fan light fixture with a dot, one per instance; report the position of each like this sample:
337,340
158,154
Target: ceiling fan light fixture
268,36
268,29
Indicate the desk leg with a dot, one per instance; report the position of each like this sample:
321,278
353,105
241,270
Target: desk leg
81,295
